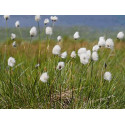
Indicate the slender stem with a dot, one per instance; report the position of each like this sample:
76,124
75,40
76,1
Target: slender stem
60,96
46,52
60,91
4,57
91,68
72,84
21,36
43,32
40,43
75,45
105,65
50,97
52,28
72,95
20,32
10,75
38,29
30,39
7,35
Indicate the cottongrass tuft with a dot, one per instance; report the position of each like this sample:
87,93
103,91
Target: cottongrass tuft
81,51
76,35
14,44
56,50
109,43
37,18
46,21
44,77
11,61
120,35
88,53
95,48
13,36
37,65
84,58
73,54
17,24
54,18
59,38
33,31
49,31
108,76
101,42
94,56
6,17
60,65
64,55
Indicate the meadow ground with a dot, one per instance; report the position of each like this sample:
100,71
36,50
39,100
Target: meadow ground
76,86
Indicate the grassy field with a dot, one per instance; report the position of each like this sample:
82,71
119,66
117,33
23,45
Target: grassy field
86,33
72,87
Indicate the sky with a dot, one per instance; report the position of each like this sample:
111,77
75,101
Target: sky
98,21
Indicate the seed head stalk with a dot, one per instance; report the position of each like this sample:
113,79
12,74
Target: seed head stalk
105,65
30,39
72,84
20,33
21,36
52,27
91,68
4,57
75,41
7,33
40,42
38,30
40,45
60,87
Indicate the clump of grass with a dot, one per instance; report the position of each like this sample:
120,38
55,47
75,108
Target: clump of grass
73,87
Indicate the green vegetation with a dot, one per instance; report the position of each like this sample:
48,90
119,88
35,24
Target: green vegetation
72,87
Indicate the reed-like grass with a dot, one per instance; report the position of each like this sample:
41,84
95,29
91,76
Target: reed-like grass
72,87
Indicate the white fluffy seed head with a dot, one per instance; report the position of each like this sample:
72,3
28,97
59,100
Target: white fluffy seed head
60,65
84,58
59,38
101,42
33,31
37,18
46,21
73,54
13,36
64,55
109,43
49,31
14,44
81,51
120,35
17,24
44,77
54,18
94,56
95,48
6,17
88,53
37,65
56,50
108,76
11,61
76,35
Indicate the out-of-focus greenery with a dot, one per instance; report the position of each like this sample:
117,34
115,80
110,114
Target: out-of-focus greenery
20,86
86,33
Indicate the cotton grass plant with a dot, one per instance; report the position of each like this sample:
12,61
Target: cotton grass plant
91,75
17,25
6,17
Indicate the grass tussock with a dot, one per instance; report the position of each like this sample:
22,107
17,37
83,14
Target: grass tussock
72,87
